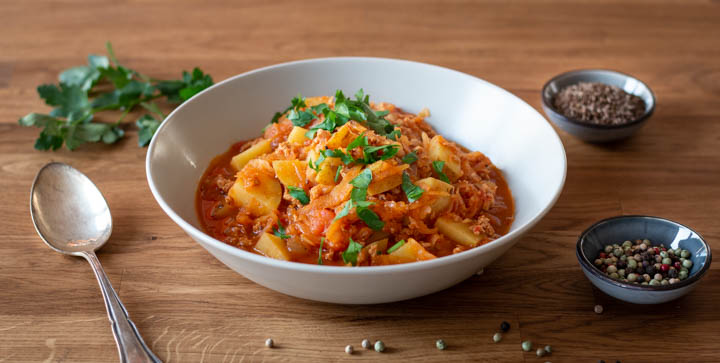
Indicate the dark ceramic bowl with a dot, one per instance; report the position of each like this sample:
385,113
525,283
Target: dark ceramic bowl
591,132
658,231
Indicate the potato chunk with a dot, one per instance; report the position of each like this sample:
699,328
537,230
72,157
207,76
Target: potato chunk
386,175
297,136
256,188
345,135
412,251
273,246
437,194
457,231
238,161
327,172
290,172
441,150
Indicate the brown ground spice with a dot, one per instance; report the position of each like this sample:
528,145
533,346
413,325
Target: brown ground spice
598,103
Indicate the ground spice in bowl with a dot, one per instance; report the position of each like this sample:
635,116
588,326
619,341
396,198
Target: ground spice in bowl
598,103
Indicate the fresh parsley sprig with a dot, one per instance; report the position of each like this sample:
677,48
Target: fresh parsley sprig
82,92
280,231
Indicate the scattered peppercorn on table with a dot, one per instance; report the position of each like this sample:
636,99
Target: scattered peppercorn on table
190,308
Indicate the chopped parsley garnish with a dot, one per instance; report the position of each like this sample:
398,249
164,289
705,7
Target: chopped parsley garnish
396,246
410,158
316,165
363,179
337,173
438,166
412,191
280,231
344,212
351,253
300,118
299,194
370,218
337,153
359,141
347,109
372,154
322,241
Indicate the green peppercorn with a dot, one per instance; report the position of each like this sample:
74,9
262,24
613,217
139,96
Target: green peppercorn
632,277
621,272
618,252
497,337
598,262
611,269
623,258
682,275
687,263
614,275
627,244
646,277
685,254
664,254
540,352
632,263
548,349
379,346
608,261
667,261
440,344
654,282
608,248
665,282
526,345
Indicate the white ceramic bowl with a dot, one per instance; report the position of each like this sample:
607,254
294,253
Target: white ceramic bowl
463,108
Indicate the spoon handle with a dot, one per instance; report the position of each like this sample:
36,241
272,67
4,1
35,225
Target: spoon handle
130,344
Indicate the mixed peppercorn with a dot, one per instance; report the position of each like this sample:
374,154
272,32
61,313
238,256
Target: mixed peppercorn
642,263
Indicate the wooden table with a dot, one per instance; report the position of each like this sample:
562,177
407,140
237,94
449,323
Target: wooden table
190,307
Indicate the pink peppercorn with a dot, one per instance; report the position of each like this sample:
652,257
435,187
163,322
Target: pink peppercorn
677,265
657,250
665,267
603,255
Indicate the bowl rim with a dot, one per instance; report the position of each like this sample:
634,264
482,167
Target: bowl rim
587,265
547,104
363,270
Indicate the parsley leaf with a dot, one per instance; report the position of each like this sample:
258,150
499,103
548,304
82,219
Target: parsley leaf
363,179
322,241
410,158
370,218
337,153
412,191
345,211
280,232
300,118
359,141
351,253
299,194
382,152
396,246
438,166
337,173
147,125
316,165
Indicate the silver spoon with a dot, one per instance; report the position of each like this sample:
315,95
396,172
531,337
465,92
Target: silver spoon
72,217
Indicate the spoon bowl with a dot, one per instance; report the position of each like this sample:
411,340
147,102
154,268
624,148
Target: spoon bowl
68,210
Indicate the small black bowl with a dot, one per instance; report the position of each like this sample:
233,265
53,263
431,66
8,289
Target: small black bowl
658,231
593,132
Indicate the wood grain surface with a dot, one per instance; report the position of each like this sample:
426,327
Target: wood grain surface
191,308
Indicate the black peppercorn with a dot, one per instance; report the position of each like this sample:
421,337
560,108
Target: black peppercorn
672,273
621,264
650,270
640,270
629,269
645,263
504,326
